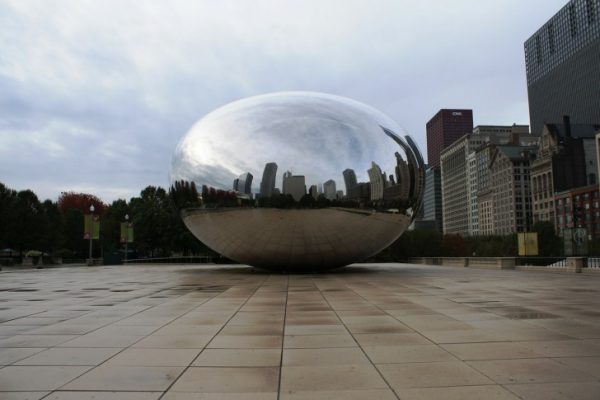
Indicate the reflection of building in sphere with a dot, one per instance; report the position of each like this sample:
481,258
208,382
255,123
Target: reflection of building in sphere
243,184
267,185
329,188
377,179
351,184
314,141
294,185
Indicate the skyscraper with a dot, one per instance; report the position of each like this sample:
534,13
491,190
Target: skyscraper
267,185
444,129
377,181
244,183
562,60
330,191
351,183
294,185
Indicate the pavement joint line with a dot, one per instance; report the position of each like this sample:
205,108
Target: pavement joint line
287,295
215,335
356,341
125,348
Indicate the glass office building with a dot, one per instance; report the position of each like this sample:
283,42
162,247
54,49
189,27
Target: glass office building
563,66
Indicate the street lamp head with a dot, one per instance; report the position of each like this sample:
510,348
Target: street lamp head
92,208
126,217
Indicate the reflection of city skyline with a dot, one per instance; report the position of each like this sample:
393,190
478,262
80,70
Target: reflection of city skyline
379,187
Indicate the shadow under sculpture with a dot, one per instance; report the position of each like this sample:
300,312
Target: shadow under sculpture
297,181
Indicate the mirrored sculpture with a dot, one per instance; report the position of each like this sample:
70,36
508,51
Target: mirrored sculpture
298,181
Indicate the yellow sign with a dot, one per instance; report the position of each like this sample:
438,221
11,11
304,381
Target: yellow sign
528,244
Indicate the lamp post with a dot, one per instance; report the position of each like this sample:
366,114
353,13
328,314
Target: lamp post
126,236
91,231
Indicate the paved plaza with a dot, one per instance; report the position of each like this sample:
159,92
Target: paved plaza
376,332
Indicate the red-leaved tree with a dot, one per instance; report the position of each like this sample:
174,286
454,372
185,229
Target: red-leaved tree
81,202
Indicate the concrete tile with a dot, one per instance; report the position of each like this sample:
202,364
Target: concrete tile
35,340
228,380
529,371
70,356
174,342
563,348
434,374
11,355
407,354
330,377
154,357
324,356
371,394
97,340
22,395
104,395
557,391
589,365
491,351
32,378
318,341
219,396
390,339
118,378
239,358
315,329
245,342
488,392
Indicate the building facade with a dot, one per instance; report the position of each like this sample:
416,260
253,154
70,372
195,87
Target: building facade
578,208
461,172
443,129
563,67
510,188
294,185
267,185
432,197
456,214
330,190
566,159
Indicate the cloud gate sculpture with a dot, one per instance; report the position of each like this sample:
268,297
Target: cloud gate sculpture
297,181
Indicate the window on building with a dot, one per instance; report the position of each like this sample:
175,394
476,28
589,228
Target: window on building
590,6
573,20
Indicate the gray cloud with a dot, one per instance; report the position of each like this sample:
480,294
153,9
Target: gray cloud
94,95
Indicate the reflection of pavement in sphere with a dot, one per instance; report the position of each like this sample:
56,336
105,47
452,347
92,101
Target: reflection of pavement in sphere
295,240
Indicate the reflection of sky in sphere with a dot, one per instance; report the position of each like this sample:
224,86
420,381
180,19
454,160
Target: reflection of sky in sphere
310,134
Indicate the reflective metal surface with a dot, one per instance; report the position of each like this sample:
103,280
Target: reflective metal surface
298,181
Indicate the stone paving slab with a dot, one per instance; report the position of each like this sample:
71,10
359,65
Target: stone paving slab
381,331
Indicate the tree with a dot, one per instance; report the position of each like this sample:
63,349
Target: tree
27,232
8,220
152,218
81,202
549,243
110,226
52,235
454,246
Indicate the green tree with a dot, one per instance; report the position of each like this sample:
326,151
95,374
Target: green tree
8,218
27,232
52,235
152,218
549,244
110,225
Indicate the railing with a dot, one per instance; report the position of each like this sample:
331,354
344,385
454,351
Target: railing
593,262
549,262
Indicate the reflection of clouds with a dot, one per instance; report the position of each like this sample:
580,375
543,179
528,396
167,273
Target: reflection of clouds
310,134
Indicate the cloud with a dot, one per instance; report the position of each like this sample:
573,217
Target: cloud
94,93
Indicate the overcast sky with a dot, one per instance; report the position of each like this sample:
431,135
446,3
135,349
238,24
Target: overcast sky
95,95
